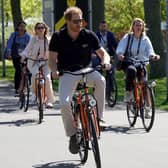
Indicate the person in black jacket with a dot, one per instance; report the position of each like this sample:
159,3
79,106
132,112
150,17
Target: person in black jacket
109,43
107,38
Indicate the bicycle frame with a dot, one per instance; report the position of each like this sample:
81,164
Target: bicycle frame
40,80
84,113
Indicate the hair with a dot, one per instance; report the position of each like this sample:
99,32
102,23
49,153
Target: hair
70,11
103,22
19,23
141,21
45,26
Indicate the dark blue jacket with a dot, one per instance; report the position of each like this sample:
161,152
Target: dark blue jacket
112,43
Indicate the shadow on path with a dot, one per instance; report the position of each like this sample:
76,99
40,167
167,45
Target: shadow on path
19,123
60,164
123,130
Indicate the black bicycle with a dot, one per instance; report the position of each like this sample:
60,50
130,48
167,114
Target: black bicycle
111,88
24,89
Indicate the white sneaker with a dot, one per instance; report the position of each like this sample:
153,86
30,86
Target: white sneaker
49,105
128,96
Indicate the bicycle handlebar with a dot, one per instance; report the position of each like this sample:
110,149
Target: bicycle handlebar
83,71
37,60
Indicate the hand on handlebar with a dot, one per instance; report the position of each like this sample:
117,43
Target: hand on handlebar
55,75
121,57
107,66
155,57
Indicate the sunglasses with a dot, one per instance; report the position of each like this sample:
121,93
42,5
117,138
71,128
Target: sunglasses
41,27
77,21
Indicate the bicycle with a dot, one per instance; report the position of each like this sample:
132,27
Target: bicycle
24,88
40,83
142,103
84,109
111,83
111,88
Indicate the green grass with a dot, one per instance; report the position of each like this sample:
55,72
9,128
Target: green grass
9,71
160,89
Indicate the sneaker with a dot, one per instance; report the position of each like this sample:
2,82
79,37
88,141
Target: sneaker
49,105
103,125
128,96
147,112
73,145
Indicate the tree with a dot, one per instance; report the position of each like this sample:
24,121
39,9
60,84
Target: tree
153,20
120,13
16,11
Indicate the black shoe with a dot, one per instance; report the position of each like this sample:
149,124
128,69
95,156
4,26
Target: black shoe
73,145
102,125
16,93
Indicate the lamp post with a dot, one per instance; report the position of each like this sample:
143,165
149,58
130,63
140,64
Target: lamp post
90,14
3,38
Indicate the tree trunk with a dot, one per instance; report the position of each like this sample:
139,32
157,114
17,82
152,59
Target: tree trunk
98,12
16,12
153,21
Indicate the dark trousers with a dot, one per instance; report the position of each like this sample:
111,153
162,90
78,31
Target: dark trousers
131,73
18,69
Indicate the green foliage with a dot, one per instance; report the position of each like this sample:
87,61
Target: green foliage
30,9
120,13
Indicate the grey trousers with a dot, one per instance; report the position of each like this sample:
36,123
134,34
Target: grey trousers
67,86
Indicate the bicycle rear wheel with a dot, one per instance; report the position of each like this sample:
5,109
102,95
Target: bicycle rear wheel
147,108
94,139
132,112
40,102
111,91
81,136
26,94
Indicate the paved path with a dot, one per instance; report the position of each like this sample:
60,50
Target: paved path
26,144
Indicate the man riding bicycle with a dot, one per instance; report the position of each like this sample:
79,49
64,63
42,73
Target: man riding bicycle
70,49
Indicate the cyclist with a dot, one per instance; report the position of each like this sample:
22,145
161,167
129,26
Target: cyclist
139,47
17,42
71,46
36,49
109,43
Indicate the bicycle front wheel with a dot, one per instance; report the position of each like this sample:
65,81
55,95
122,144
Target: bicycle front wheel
40,102
81,135
147,108
94,140
111,91
26,94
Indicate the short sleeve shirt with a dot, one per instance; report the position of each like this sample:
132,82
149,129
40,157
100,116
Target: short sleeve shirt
74,54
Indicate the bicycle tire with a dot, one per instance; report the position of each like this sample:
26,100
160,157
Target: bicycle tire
21,100
132,112
81,137
112,92
147,108
26,93
94,140
40,103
